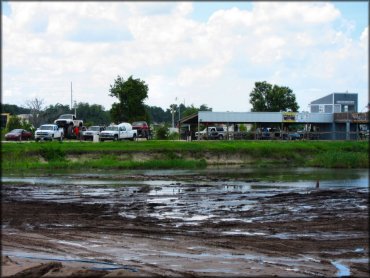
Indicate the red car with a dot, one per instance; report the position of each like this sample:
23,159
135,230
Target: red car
18,135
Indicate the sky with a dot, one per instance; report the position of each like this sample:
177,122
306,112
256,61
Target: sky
186,52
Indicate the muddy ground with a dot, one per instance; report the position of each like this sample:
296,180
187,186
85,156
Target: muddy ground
180,228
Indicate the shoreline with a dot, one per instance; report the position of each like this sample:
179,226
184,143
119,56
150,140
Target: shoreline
183,155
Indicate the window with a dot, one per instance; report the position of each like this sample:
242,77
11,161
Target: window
321,108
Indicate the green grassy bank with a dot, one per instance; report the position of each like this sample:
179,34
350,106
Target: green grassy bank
182,155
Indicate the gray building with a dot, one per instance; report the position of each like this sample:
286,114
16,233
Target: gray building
335,103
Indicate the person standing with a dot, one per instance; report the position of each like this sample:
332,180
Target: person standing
77,132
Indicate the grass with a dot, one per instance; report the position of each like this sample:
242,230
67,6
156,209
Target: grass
327,154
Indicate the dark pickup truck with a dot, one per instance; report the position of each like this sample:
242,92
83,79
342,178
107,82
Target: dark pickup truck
142,128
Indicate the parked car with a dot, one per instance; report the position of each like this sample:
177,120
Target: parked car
91,131
292,136
18,135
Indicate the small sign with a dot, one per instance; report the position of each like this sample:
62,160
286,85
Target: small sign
345,102
289,117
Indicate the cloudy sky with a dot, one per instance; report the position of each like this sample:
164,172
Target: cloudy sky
199,53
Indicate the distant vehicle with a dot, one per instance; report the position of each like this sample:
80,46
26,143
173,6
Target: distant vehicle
143,129
18,135
49,132
118,132
68,122
91,131
212,132
294,136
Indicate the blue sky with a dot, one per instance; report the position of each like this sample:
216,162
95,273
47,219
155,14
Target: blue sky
204,52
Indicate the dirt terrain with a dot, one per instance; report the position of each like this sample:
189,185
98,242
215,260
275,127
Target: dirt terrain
180,228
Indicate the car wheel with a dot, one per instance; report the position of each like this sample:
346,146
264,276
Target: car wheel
115,138
69,130
220,137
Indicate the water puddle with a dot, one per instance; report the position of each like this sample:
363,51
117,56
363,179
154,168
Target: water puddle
343,270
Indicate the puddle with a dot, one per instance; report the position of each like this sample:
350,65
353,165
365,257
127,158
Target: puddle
244,233
342,269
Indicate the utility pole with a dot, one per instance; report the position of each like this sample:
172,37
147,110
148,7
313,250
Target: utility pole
71,96
173,115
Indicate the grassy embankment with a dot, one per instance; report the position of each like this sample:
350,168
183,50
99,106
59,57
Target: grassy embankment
176,154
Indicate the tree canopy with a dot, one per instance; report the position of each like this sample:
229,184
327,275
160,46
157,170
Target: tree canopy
131,94
93,114
272,98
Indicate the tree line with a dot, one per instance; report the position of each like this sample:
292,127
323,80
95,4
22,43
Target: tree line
130,95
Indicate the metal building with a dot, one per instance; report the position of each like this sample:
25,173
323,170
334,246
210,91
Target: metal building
335,103
329,126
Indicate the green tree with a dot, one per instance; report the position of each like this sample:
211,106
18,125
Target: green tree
157,115
16,122
52,112
131,94
14,109
13,123
94,114
272,98
205,107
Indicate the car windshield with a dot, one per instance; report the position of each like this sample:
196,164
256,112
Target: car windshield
16,131
112,128
46,127
94,128
66,116
138,123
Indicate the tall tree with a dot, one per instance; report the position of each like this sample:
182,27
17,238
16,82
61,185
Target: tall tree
131,94
36,108
272,98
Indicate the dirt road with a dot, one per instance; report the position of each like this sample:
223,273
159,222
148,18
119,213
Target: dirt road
183,229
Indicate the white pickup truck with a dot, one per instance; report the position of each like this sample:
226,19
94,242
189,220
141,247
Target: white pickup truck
213,132
118,132
49,132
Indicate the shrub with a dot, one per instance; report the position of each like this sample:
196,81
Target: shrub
52,153
161,132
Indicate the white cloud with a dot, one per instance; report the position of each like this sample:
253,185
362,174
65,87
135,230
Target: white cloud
46,45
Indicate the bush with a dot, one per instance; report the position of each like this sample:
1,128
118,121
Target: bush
52,154
161,132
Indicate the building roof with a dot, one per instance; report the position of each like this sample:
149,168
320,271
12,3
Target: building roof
329,99
256,117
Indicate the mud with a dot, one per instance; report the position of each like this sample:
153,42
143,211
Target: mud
188,226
